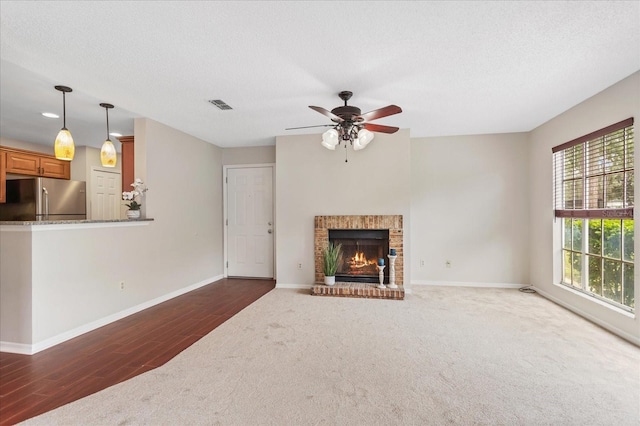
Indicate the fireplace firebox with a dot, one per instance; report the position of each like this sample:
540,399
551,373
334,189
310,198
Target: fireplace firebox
361,249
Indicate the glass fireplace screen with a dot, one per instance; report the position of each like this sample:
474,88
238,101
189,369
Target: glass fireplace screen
361,249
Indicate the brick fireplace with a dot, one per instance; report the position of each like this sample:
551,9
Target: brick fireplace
390,223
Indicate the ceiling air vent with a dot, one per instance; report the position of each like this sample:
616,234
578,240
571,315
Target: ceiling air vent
220,104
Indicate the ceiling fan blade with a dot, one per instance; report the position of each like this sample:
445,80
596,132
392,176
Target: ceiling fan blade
308,127
380,128
327,113
382,112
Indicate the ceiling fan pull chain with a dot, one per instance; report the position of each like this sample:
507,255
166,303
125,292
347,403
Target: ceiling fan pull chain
346,154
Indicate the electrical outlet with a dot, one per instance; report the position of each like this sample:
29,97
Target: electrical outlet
421,263
121,285
448,263
299,265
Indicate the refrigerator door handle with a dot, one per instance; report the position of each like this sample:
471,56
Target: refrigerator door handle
45,194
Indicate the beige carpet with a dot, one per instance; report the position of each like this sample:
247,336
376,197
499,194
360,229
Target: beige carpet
442,356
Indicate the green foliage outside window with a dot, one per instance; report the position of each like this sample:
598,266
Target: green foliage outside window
609,256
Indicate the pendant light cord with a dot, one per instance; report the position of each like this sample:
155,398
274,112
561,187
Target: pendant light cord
64,111
107,111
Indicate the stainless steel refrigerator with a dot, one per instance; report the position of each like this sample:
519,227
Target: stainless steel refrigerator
44,199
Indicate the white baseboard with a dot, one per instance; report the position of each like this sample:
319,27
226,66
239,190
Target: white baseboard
15,348
67,335
302,286
628,337
467,284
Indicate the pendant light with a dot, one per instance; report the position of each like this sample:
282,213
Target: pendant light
108,155
63,147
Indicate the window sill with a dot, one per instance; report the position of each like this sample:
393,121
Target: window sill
597,301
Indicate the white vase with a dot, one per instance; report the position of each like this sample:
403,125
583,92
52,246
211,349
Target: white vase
133,214
329,280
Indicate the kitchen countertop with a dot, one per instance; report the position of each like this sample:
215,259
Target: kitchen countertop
69,222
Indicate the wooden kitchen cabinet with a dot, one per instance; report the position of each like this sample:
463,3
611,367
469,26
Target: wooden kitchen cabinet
54,168
128,161
3,177
35,164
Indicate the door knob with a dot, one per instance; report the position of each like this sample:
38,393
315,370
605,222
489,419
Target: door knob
270,231
269,223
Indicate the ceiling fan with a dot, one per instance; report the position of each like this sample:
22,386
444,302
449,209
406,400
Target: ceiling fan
351,125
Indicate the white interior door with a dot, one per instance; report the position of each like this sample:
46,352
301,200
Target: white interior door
105,195
250,222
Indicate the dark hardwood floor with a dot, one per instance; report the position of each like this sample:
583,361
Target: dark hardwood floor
32,385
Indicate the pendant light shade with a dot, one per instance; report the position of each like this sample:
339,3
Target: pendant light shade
64,147
108,156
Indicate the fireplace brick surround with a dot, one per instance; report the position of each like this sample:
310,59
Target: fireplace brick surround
321,240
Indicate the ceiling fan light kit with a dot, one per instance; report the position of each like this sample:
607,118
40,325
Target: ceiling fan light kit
364,137
63,147
330,139
351,126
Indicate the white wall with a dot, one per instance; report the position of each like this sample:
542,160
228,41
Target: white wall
249,155
184,176
311,181
469,205
15,287
610,106
78,282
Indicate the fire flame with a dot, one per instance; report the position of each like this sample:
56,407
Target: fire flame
359,260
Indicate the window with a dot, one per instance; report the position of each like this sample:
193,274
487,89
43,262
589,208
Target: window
593,197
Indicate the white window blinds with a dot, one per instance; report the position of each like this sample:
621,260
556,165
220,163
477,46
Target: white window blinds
593,175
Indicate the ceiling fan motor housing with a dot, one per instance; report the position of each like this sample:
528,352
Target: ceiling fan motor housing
347,113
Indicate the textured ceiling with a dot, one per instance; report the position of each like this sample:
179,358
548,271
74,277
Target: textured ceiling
453,67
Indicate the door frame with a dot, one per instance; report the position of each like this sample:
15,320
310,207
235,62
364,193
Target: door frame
225,207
